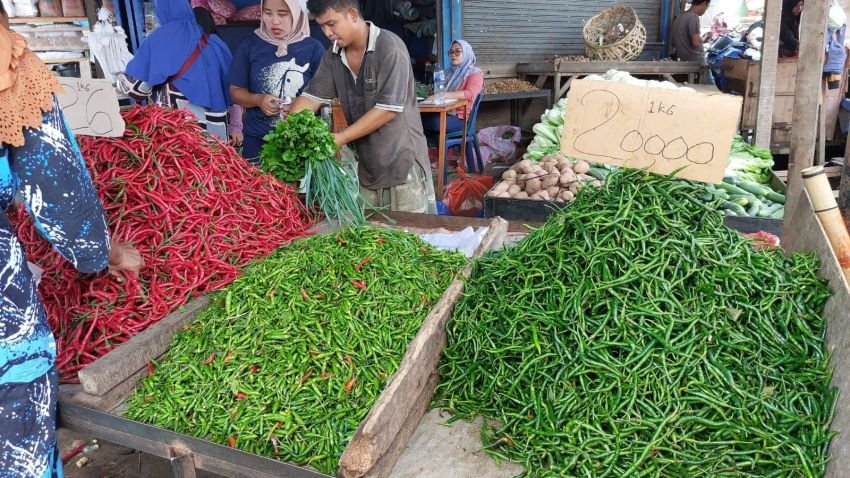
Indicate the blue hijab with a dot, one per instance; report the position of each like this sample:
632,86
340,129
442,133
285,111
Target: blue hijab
164,51
456,74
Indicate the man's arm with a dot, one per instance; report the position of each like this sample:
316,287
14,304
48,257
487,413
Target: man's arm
305,103
366,125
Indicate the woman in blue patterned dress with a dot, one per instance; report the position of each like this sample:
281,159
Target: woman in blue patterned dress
40,160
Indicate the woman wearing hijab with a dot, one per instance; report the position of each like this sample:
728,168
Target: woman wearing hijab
789,28
274,63
39,160
464,81
179,65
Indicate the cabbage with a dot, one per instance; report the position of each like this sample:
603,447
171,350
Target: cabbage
749,162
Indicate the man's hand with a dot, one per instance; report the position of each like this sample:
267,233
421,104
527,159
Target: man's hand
236,138
339,140
124,257
269,105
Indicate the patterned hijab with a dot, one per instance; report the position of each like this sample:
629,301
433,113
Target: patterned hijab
300,28
455,75
26,88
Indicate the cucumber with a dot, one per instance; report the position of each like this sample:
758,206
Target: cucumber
729,212
739,210
598,173
771,209
775,197
779,214
742,200
755,207
732,189
754,188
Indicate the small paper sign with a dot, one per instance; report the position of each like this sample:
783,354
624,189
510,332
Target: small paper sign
91,107
657,129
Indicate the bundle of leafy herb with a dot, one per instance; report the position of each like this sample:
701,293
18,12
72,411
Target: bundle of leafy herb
302,148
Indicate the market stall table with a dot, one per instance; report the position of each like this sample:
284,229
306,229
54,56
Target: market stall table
565,72
513,100
443,109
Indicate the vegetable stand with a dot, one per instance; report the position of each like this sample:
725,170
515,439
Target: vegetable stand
386,428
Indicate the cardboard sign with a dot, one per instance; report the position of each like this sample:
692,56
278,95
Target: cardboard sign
91,107
657,129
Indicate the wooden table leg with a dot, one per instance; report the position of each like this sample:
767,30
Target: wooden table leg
556,88
441,156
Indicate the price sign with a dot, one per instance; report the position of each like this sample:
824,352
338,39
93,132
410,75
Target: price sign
91,107
657,129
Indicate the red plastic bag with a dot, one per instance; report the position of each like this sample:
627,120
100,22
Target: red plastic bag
465,195
762,240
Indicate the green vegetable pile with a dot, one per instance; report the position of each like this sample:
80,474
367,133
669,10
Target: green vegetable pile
548,132
288,359
634,335
302,148
749,163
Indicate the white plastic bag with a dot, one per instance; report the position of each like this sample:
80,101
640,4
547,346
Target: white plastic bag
494,146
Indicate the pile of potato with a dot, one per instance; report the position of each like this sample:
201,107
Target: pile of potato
554,178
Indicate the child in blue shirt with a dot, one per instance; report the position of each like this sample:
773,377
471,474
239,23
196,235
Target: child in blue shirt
274,63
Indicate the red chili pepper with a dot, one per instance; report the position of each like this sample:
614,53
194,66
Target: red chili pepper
232,442
255,368
304,294
350,384
362,263
210,359
150,368
341,241
306,376
359,284
241,395
228,357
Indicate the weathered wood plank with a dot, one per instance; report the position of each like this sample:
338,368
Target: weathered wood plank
122,362
633,67
767,74
394,407
107,402
805,234
807,94
387,462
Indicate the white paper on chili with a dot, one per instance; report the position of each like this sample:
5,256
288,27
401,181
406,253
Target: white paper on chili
658,129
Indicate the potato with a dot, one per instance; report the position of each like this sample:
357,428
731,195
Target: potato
581,167
568,196
501,187
552,169
537,169
597,184
504,194
509,174
558,199
513,189
521,195
543,195
522,165
586,177
553,191
550,180
567,177
574,188
532,186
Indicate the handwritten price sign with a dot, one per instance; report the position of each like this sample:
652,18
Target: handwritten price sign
652,128
91,107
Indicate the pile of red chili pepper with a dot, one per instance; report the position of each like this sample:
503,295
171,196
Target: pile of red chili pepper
193,207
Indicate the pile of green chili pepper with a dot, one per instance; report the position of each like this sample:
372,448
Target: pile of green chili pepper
634,335
287,360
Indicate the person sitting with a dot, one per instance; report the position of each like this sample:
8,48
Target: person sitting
464,81
685,36
179,65
789,28
274,63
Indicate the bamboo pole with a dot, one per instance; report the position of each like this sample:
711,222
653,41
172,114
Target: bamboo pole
826,209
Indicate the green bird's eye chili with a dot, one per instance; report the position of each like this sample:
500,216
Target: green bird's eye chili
634,335
303,366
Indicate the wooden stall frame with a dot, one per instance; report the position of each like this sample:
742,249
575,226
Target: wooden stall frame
382,435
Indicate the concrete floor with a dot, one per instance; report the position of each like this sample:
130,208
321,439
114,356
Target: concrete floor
434,451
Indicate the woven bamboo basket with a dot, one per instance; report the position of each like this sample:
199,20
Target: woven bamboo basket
615,34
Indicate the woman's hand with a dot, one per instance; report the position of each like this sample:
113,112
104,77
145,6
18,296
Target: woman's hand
269,105
124,257
236,138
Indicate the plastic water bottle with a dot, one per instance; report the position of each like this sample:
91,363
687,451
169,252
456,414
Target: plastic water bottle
439,84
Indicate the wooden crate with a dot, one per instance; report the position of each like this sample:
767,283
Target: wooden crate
381,436
744,77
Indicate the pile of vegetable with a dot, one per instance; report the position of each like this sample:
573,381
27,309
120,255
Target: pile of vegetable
288,359
745,198
749,163
634,335
302,148
548,132
193,207
554,178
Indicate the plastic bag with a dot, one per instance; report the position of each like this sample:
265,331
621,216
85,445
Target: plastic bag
465,195
494,146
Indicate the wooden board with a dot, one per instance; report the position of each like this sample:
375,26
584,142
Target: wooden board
123,361
393,409
805,234
633,67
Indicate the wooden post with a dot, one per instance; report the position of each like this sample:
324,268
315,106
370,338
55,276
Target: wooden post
767,73
844,189
807,94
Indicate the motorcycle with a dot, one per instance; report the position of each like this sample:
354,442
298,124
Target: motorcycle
727,46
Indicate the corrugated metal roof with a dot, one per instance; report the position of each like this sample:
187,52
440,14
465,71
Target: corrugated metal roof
519,31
